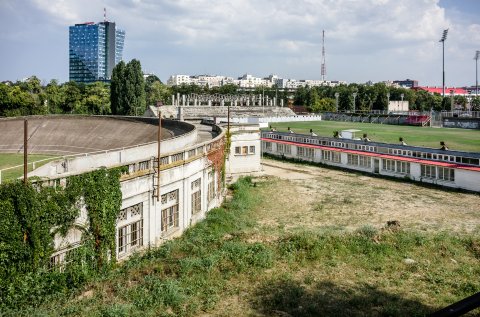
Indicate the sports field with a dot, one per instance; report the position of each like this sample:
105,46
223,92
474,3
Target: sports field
11,159
456,139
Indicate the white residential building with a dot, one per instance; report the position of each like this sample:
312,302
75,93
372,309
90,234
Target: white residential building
249,81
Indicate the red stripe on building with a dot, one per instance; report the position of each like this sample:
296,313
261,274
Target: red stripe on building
379,155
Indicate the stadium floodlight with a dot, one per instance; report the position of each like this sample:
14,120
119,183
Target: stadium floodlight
477,54
443,39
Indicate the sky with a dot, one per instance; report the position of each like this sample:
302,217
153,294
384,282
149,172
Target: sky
365,40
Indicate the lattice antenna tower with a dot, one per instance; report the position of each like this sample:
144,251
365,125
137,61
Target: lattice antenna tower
104,14
324,65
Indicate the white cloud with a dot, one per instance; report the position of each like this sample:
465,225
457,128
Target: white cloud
251,32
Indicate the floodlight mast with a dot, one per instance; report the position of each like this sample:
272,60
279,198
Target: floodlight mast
443,39
477,54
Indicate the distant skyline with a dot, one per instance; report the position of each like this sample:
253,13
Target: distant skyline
365,40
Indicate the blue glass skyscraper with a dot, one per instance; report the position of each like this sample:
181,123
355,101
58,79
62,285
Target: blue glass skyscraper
95,49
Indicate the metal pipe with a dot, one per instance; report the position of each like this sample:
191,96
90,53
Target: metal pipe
459,308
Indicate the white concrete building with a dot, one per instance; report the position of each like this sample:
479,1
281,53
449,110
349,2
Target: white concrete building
249,81
245,149
160,198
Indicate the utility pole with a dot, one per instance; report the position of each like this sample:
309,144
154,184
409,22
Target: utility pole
25,150
158,149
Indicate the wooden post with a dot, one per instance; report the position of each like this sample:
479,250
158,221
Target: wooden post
158,152
25,150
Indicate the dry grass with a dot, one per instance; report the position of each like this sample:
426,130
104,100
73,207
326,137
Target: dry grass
315,197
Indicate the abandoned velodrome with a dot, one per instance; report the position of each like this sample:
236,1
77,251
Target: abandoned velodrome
168,188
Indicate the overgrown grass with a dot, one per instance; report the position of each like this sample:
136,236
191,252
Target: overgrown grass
308,273
457,139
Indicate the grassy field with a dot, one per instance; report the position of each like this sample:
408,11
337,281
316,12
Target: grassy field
456,139
256,257
10,159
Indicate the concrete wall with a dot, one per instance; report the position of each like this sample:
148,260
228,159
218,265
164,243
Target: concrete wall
245,149
139,189
397,105
200,112
90,161
461,122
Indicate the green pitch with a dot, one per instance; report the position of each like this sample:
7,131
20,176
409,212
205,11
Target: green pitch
10,160
456,139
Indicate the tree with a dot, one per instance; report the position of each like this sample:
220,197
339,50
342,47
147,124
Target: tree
54,97
127,89
73,97
157,92
97,98
117,88
325,104
134,88
475,104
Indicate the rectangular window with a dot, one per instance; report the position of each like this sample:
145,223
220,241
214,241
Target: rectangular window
280,148
122,239
364,161
196,196
164,160
211,186
244,150
305,152
136,233
331,156
352,159
196,201
388,165
268,146
170,210
446,174
130,236
170,217
145,165
403,167
428,171
177,157
287,149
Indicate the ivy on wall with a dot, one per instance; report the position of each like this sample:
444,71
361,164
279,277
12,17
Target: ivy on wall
31,215
216,157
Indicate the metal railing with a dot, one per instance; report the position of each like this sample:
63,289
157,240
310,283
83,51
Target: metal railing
459,308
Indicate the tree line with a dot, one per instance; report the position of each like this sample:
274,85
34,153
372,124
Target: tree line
129,93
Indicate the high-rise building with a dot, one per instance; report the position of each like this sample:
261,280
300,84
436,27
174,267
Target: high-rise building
95,49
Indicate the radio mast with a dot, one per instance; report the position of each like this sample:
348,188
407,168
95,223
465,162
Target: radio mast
324,66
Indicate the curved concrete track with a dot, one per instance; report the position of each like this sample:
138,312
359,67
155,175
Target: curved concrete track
78,134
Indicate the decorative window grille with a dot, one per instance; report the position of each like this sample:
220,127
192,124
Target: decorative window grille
196,196
170,212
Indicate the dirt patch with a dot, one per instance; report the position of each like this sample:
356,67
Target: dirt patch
321,198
